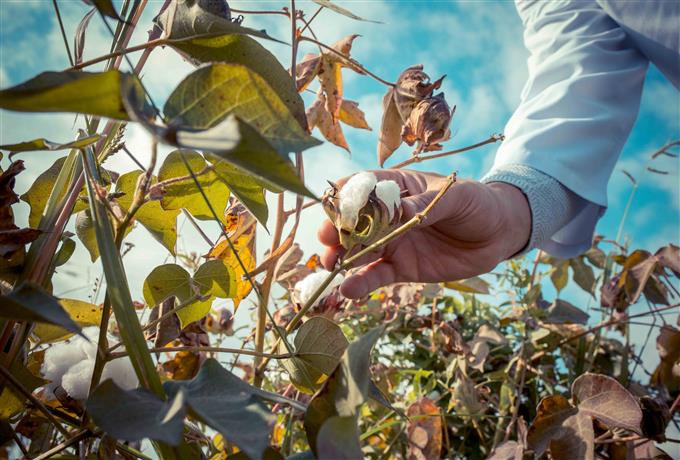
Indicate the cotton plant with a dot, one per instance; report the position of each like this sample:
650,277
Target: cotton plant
69,365
364,209
305,288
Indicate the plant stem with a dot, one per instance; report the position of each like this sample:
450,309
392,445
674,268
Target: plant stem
354,63
209,349
420,158
66,444
599,326
35,401
142,46
63,31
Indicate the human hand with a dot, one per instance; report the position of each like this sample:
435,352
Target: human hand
468,232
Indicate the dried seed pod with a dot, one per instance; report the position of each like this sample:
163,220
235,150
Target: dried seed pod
428,124
412,87
364,210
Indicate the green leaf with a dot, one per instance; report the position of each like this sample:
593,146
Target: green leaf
29,302
160,223
11,401
185,194
246,188
137,414
86,234
340,10
39,193
63,255
241,49
211,93
561,312
44,144
106,8
583,275
82,313
256,156
560,275
602,397
319,344
213,278
346,389
474,285
186,19
338,439
229,405
94,93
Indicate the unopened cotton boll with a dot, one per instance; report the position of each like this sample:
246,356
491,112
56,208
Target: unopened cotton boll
308,286
354,196
389,193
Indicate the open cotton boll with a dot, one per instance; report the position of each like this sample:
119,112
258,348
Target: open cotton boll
76,381
122,373
354,196
308,286
59,358
389,193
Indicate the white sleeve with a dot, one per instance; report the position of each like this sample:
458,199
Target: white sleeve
576,111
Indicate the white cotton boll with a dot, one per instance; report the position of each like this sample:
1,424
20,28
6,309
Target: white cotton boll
308,286
389,193
122,373
76,381
59,358
354,196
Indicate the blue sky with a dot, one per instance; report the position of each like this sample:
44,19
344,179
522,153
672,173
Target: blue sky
477,44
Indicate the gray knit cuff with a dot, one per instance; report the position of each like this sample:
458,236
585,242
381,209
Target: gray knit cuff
550,201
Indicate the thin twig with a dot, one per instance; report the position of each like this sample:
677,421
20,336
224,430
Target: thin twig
66,444
354,63
420,158
35,401
197,227
122,52
599,326
209,349
63,31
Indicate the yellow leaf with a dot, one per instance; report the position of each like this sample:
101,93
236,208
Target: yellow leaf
240,227
83,313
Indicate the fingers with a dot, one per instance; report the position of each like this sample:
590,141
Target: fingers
327,234
368,279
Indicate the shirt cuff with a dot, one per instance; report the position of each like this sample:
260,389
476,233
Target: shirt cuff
552,205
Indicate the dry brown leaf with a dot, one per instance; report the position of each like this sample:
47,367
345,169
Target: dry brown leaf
12,238
667,373
318,116
351,115
389,136
412,87
428,124
183,366
306,70
424,430
240,227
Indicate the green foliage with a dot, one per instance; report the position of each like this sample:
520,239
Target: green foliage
94,93
212,279
29,302
137,414
161,223
44,144
211,93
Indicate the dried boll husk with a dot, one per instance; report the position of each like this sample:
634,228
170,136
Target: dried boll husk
428,124
374,220
412,87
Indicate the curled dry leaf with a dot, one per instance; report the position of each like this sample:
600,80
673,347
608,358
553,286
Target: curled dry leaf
424,430
318,116
667,373
351,115
428,124
412,88
12,238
